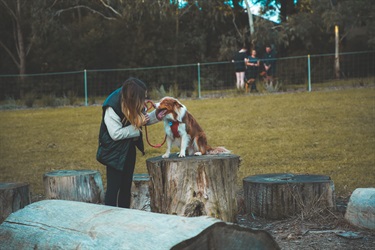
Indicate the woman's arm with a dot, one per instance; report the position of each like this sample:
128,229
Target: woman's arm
153,118
115,129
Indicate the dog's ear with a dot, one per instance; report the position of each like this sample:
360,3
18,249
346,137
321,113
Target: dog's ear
180,110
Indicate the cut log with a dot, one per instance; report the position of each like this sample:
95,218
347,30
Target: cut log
140,193
74,185
277,196
13,196
195,185
361,208
59,224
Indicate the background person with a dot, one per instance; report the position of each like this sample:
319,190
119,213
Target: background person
252,66
269,64
240,67
120,134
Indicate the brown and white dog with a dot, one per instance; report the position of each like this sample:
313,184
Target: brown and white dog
183,130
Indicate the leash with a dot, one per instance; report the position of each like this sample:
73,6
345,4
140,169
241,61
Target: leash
149,107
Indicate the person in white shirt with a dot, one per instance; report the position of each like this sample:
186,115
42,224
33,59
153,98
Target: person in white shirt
123,115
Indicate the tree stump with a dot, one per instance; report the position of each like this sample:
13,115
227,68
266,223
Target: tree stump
194,185
277,196
13,196
60,224
74,185
140,193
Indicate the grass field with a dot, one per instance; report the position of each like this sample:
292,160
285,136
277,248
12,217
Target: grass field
327,132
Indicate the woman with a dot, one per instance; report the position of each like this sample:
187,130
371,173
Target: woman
252,63
239,66
120,133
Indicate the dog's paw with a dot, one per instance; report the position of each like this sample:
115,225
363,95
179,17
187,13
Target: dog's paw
197,153
166,155
181,155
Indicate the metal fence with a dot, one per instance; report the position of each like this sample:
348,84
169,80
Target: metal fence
196,80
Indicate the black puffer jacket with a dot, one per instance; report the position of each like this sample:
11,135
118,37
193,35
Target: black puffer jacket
114,153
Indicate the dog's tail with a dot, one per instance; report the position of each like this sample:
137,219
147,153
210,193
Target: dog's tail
217,151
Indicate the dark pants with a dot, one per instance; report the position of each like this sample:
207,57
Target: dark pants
119,183
251,73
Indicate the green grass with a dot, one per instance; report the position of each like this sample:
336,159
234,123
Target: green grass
330,133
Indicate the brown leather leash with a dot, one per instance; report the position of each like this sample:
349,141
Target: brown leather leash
152,105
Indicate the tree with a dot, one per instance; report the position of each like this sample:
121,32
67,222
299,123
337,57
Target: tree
22,43
284,8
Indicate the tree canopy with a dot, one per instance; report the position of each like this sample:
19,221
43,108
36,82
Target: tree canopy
51,36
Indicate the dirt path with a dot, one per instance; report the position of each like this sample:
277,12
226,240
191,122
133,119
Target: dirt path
330,231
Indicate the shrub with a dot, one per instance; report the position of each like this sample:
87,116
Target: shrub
10,103
29,99
72,97
272,86
157,94
49,100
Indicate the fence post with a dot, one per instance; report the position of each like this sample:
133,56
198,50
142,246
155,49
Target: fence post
85,81
308,73
199,81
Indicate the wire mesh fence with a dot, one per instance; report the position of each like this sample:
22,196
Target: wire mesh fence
197,80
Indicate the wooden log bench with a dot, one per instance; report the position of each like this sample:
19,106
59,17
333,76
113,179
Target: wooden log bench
194,185
61,224
13,196
74,185
278,196
140,192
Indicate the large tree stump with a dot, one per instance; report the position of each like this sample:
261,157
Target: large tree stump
60,224
13,196
74,185
195,185
140,193
277,196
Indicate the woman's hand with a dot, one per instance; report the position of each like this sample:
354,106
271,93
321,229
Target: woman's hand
146,119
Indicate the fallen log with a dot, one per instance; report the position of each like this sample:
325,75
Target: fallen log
195,185
60,224
277,196
74,185
13,196
361,208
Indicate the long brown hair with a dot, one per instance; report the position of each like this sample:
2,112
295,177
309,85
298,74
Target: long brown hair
133,95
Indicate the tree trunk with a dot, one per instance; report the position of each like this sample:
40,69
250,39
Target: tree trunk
75,185
58,224
337,59
277,196
140,192
251,22
13,196
194,186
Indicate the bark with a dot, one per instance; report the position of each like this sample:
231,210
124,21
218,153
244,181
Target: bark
194,186
58,224
361,208
13,196
75,185
140,192
277,196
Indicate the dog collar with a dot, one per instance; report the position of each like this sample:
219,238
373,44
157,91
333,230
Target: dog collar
174,128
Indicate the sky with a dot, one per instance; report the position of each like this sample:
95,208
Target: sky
254,9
